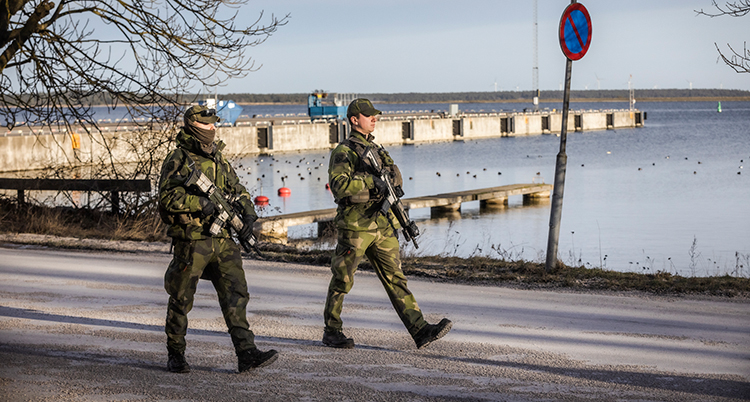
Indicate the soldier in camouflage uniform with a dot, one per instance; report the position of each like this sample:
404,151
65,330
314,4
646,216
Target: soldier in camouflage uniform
364,231
198,254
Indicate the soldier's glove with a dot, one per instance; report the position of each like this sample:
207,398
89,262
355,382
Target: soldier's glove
247,226
207,207
381,188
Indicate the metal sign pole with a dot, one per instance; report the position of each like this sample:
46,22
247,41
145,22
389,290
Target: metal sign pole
562,161
575,38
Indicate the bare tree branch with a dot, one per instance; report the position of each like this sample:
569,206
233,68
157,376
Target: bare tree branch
60,59
735,9
738,61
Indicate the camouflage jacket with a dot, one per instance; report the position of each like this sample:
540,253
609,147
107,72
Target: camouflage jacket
178,205
351,185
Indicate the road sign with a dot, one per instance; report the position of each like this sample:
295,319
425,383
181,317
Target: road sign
575,31
575,38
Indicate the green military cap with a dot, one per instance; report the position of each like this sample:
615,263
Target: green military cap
363,106
201,114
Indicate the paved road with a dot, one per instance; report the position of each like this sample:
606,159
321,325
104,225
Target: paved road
84,326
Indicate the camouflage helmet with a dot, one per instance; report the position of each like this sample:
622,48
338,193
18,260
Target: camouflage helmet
201,114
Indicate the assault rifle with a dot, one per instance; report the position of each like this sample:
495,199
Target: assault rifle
392,199
227,209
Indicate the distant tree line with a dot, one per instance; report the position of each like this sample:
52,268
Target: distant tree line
501,96
468,97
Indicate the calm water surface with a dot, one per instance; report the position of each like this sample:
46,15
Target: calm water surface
670,196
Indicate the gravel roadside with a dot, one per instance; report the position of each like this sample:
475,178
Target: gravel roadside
88,326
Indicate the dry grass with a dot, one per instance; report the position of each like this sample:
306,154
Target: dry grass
524,274
80,222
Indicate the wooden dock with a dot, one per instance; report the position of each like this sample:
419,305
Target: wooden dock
275,228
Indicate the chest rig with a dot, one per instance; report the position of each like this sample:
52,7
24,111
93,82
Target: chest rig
361,167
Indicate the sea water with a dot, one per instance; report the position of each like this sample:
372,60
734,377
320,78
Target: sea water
670,196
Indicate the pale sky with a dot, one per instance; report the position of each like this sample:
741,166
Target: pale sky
390,46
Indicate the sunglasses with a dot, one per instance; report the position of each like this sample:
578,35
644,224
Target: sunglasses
205,113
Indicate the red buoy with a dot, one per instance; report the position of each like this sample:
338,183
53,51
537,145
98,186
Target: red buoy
285,192
328,187
261,200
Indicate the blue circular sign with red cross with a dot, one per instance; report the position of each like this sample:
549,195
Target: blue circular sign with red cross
575,31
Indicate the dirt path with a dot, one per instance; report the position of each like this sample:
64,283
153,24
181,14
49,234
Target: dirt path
85,326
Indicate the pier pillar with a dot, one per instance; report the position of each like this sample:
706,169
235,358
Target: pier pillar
500,202
447,208
272,231
537,196
534,198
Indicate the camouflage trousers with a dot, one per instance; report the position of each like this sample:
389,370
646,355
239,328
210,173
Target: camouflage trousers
218,260
382,249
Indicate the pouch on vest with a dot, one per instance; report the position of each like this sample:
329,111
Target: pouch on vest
173,219
397,179
361,197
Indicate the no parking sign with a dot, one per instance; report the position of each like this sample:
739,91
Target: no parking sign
575,31
575,38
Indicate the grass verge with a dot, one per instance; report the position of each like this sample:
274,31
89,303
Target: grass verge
87,224
531,275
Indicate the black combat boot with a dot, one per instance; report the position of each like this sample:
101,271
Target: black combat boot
430,333
337,339
177,363
254,358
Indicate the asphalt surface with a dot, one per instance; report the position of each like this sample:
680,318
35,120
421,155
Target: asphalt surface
88,326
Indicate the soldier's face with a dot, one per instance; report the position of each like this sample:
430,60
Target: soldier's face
204,126
364,124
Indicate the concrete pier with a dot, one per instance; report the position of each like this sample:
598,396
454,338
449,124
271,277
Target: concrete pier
275,229
24,149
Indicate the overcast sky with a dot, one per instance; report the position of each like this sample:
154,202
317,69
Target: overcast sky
396,46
